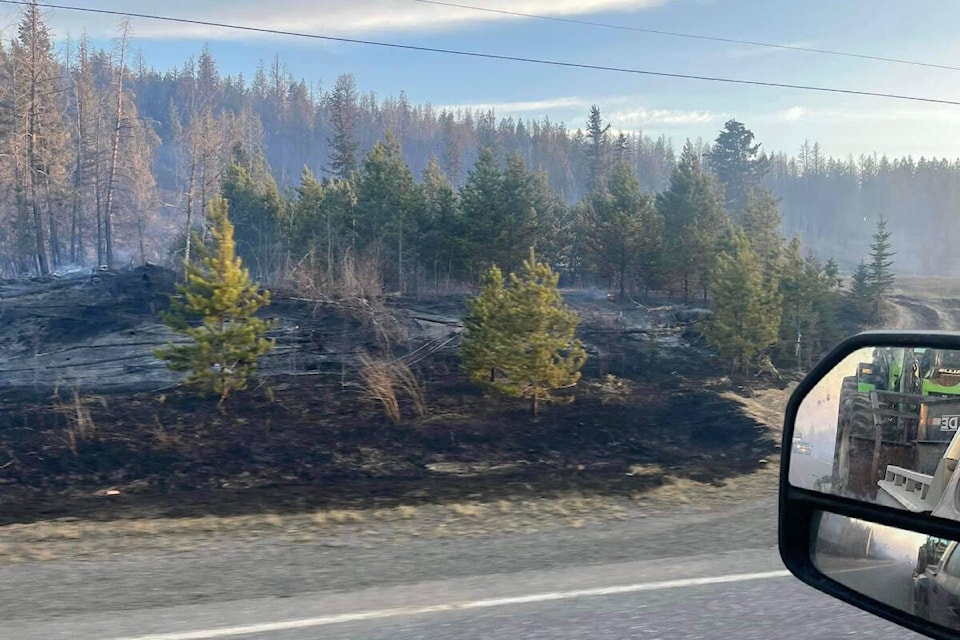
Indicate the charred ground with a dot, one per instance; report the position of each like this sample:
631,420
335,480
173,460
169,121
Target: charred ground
109,434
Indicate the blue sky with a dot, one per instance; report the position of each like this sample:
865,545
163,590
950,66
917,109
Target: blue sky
920,29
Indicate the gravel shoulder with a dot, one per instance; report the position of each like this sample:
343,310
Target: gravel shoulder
226,568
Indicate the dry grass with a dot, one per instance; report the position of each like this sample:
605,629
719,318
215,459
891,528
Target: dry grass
81,426
44,541
383,379
407,512
378,385
468,509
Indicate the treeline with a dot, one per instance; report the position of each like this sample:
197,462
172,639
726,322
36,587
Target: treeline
709,235
104,160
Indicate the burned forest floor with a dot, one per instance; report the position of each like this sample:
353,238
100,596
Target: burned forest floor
653,424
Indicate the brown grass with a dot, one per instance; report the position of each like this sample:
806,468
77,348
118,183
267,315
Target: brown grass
384,378
80,424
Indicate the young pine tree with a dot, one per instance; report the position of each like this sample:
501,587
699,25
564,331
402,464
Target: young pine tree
218,293
519,338
881,262
747,310
861,288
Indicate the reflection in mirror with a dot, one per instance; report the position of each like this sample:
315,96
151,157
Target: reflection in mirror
882,427
915,573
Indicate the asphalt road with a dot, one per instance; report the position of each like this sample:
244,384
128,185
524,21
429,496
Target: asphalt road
887,581
682,575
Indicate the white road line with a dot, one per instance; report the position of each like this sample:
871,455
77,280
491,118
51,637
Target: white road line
224,632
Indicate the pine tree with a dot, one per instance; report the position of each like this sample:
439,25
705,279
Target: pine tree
761,223
388,207
614,227
881,261
441,226
861,287
746,311
694,222
519,339
738,164
343,114
220,296
597,151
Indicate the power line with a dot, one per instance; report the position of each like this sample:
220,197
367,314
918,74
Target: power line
694,36
487,56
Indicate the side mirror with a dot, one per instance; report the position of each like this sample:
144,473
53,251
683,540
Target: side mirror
869,495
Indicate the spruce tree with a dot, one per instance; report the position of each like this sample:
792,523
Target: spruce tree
861,287
881,261
519,338
746,310
217,309
694,221
739,165
761,222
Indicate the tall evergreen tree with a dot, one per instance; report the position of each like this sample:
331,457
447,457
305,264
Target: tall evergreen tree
441,226
694,223
598,149
615,225
388,208
739,165
761,223
881,263
747,311
343,115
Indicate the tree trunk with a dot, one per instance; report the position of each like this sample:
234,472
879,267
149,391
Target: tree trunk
115,151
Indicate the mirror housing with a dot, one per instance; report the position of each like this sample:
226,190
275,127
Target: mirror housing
802,507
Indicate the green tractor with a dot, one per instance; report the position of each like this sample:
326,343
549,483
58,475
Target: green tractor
900,409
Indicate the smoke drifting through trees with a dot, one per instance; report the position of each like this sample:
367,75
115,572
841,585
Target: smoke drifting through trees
107,160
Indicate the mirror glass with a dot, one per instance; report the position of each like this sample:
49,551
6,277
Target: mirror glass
880,427
915,573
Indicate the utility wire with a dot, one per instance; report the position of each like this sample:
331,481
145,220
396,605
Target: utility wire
488,56
694,36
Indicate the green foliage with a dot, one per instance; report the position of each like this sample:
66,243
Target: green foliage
229,338
861,286
747,311
441,226
881,263
810,299
343,115
738,164
504,212
519,337
694,223
621,231
257,212
761,223
388,209
597,151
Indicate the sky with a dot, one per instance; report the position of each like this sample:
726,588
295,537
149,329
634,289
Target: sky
921,30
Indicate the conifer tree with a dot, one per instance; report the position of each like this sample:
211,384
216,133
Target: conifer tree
519,338
747,311
881,261
761,222
217,311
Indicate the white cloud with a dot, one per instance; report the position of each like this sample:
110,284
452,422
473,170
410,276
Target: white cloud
526,106
626,119
793,114
327,17
920,113
662,117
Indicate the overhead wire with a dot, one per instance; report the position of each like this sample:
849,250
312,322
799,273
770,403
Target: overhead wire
487,56
693,36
